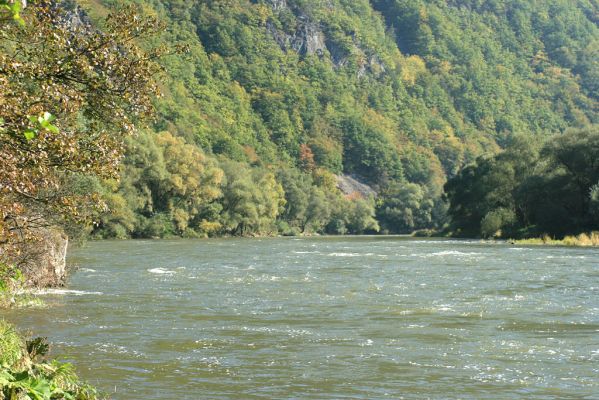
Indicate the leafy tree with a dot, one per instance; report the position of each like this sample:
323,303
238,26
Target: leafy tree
594,206
69,95
522,191
252,200
496,220
368,152
165,181
352,216
576,154
318,211
405,208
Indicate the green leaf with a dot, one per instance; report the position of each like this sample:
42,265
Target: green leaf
52,128
39,389
29,134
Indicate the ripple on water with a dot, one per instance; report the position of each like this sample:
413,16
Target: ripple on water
329,318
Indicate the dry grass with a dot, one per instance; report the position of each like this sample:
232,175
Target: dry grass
582,240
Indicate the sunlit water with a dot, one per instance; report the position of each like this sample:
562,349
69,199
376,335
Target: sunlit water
337,318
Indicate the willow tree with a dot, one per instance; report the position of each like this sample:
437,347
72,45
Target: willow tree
69,94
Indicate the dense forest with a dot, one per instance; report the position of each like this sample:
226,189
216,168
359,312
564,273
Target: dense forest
273,100
266,106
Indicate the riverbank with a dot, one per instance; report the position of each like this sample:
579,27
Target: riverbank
25,371
590,239
581,240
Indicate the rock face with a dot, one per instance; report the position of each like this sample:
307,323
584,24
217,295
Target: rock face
278,4
308,39
351,187
52,261
338,54
44,263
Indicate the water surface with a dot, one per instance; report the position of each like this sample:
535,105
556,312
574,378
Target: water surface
351,318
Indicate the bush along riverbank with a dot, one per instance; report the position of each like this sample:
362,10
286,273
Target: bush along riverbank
25,373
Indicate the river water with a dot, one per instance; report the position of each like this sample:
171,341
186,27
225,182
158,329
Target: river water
328,318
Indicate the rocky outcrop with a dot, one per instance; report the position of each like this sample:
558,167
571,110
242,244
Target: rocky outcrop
308,39
73,16
278,5
374,66
338,54
350,186
42,257
51,258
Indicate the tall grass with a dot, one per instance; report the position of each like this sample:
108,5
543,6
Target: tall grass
591,239
581,240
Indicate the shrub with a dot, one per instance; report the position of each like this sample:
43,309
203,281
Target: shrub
25,374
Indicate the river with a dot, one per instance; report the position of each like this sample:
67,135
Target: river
328,318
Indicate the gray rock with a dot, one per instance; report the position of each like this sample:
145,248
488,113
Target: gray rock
44,257
278,4
350,186
308,39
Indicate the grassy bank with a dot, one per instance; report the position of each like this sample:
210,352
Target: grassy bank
582,240
25,373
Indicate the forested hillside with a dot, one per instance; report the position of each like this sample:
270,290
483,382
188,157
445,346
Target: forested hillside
274,98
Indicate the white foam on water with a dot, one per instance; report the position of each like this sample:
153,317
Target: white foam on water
346,254
286,331
64,292
161,271
112,348
87,270
267,278
447,253
454,253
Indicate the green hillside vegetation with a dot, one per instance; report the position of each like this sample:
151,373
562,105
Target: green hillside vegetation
273,98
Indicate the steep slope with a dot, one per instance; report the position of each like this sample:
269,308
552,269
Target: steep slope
393,92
